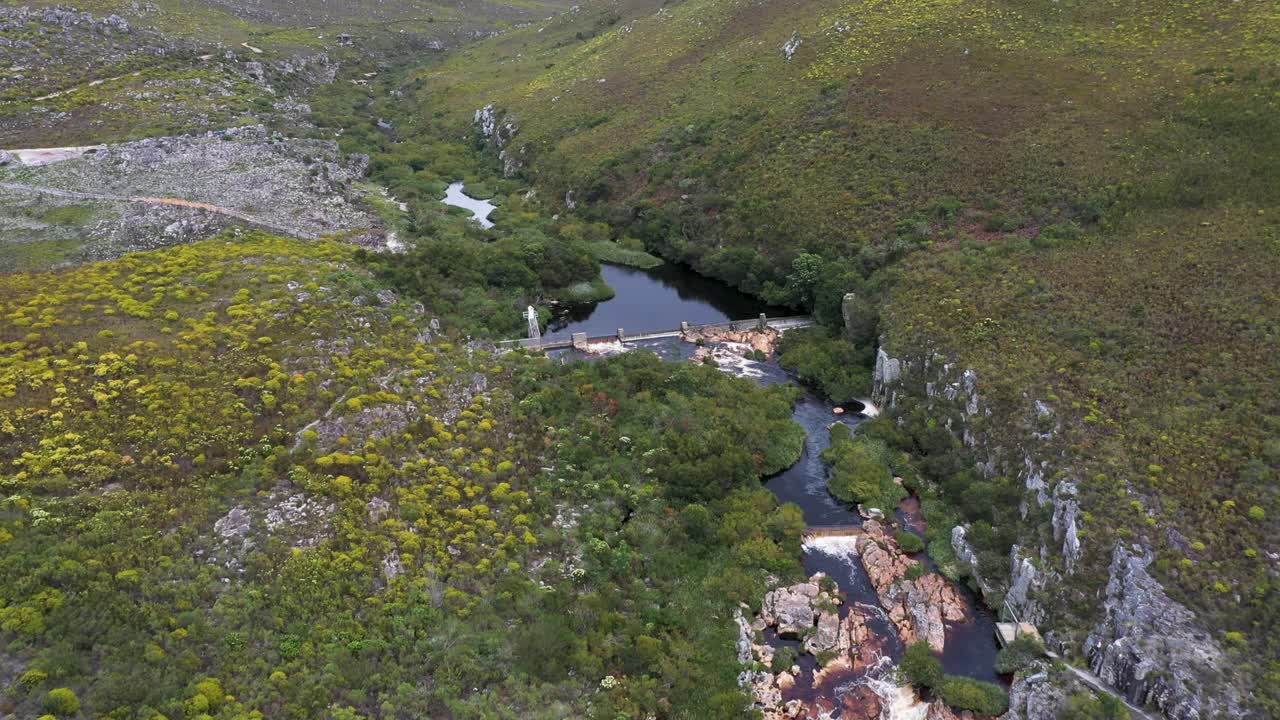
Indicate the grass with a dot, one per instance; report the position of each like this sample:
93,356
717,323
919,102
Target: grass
611,252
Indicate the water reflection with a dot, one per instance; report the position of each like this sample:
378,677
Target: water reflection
657,299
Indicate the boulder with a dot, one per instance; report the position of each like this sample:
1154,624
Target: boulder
786,681
1037,698
827,637
918,608
884,562
791,609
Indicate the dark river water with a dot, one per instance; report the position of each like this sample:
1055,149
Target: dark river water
661,299
657,299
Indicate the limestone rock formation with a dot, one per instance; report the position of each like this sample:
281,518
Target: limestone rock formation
1152,650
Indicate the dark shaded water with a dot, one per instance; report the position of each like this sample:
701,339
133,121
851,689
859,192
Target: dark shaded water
657,299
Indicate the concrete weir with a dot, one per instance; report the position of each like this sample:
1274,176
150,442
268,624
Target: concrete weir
580,340
826,531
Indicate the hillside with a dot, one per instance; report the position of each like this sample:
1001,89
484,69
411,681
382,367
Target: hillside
106,70
249,476
244,480
1073,201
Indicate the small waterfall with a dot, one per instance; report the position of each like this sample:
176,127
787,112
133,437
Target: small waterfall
868,408
606,347
898,702
841,546
730,358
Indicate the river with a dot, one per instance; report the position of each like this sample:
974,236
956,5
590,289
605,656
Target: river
662,299
656,299
480,209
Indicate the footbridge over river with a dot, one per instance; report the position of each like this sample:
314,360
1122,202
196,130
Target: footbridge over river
580,341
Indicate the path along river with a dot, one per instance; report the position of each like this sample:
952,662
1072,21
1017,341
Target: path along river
654,299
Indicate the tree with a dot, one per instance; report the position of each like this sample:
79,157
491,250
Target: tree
806,270
860,474
962,693
1018,655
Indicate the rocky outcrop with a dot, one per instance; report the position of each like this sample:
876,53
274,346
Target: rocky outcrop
764,341
845,644
1035,698
1066,514
164,191
918,608
296,518
500,129
792,610
1150,648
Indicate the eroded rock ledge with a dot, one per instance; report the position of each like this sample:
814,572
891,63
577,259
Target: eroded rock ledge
918,608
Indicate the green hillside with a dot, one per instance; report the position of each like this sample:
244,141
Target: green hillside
1077,200
252,477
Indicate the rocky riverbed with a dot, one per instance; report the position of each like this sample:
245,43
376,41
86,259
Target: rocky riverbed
842,660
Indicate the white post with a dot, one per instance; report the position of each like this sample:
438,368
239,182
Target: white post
535,328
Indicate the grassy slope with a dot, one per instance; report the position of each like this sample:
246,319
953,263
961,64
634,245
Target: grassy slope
155,82
1017,109
1086,188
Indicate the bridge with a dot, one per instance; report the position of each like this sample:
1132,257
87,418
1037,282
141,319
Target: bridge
580,341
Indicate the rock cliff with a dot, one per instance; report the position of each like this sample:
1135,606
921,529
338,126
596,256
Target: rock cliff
1152,650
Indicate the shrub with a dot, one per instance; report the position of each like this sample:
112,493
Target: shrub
783,659
62,702
1019,655
920,667
32,678
909,542
962,693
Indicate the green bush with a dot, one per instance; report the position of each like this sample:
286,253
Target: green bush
909,542
783,659
828,362
62,702
1019,655
860,471
962,693
920,667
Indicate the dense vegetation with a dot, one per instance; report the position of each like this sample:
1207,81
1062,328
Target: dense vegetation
1077,200
406,503
1074,199
861,471
923,670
